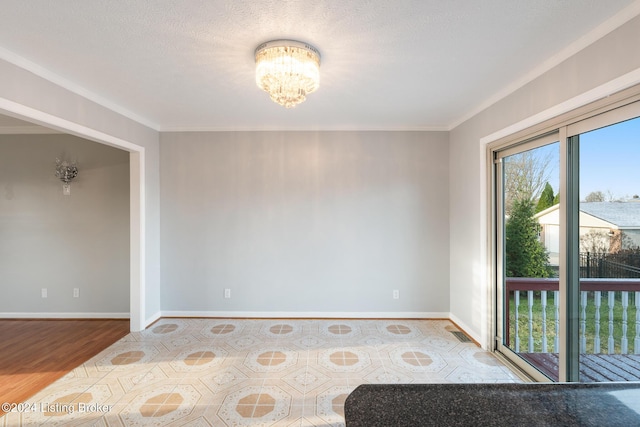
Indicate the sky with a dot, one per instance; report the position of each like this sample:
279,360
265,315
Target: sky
609,161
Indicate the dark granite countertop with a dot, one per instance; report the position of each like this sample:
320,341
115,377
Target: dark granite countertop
537,404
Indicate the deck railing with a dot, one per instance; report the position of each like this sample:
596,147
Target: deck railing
610,333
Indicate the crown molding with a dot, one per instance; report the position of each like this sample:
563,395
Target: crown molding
56,79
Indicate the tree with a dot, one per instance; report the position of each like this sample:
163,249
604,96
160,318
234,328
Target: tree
525,176
525,255
595,242
546,198
594,196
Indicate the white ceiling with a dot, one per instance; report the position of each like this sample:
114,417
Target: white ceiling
188,64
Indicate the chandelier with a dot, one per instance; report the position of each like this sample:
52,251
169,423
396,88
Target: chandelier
287,70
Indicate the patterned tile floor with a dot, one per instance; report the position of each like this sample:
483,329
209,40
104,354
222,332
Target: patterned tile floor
229,372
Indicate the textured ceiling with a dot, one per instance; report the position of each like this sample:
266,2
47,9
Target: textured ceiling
188,64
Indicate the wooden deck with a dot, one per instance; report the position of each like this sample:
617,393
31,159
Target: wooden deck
593,367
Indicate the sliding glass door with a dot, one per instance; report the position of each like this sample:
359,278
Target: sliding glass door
567,249
609,252
528,177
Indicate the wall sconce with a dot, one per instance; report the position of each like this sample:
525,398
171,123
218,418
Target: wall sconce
66,172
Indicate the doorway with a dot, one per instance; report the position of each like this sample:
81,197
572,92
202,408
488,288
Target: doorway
567,249
138,320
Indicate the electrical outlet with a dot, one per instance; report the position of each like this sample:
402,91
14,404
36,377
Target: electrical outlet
44,292
76,292
396,294
227,293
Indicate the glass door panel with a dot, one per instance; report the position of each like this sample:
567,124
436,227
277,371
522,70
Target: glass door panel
568,266
529,235
609,253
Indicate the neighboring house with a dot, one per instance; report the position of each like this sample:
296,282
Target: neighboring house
608,226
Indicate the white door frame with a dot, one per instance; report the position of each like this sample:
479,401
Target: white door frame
137,217
488,318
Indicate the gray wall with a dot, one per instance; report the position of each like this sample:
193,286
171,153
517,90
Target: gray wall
48,240
35,95
305,222
610,57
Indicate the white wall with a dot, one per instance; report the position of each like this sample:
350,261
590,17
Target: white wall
34,98
609,58
305,223
59,242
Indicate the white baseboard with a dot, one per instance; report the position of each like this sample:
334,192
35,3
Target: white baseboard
64,316
467,330
310,314
152,319
257,315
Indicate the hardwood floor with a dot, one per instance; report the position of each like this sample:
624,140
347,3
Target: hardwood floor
35,353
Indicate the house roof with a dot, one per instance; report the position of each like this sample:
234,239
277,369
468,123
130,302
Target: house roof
622,214
405,65
547,211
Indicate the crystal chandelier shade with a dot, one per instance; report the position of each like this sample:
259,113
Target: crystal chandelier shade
287,70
